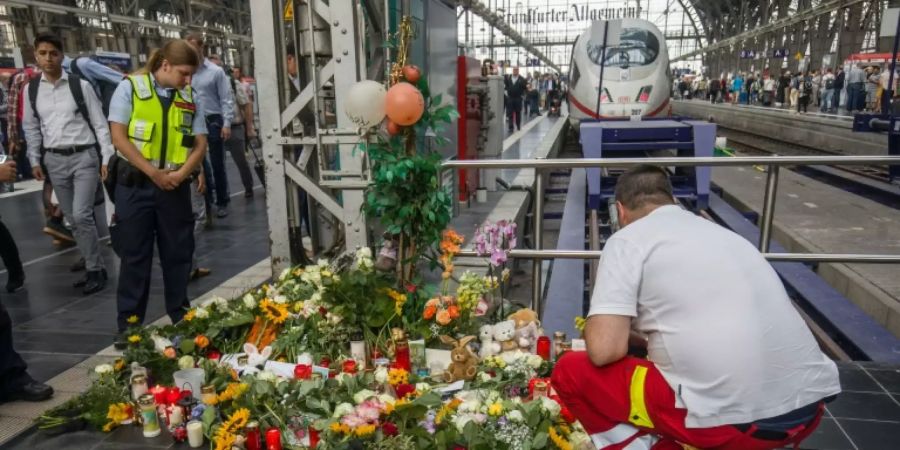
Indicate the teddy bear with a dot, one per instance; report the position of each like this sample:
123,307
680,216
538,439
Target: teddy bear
464,362
528,327
488,346
505,334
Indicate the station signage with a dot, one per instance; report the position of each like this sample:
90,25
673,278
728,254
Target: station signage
779,53
748,54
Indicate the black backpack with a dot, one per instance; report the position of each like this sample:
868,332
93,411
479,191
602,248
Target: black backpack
807,85
77,94
829,83
103,88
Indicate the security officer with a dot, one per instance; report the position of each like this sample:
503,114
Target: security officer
159,129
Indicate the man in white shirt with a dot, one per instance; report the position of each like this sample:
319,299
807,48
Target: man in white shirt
67,134
731,365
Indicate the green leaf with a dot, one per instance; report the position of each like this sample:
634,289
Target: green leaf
540,440
186,346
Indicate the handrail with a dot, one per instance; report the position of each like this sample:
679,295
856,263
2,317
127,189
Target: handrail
773,163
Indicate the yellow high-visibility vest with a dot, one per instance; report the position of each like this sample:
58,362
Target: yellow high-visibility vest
164,138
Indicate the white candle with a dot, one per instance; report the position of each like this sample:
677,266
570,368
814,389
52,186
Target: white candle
195,433
175,417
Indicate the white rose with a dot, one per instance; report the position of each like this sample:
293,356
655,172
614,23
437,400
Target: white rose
515,416
342,410
423,387
266,375
364,252
387,399
284,273
550,406
535,361
484,377
201,313
249,301
381,375
103,369
470,406
186,362
362,396
280,299
461,420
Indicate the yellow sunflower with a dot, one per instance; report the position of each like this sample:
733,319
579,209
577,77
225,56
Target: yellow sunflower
364,430
558,440
398,376
233,391
134,338
275,312
223,440
132,320
236,421
119,364
189,316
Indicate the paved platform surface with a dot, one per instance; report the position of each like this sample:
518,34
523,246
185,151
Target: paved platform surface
831,133
59,331
814,217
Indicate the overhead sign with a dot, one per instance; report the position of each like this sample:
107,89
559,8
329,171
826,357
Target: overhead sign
889,20
779,53
572,13
604,32
798,56
289,11
748,54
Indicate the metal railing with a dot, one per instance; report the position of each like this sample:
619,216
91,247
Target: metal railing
773,164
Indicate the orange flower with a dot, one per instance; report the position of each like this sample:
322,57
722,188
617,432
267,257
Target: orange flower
432,302
201,341
430,310
453,311
443,317
169,352
448,300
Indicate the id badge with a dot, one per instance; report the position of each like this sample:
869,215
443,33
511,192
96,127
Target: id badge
187,119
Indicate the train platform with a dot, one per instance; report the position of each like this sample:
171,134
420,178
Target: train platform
829,133
811,216
62,334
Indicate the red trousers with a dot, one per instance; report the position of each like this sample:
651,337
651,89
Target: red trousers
609,401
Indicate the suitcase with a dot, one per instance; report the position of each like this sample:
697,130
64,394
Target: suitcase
258,165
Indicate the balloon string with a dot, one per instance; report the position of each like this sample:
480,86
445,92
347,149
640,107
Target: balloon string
404,35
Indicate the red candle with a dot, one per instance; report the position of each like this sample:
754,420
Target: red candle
543,347
303,371
325,362
401,357
159,394
313,437
350,366
173,394
273,439
253,441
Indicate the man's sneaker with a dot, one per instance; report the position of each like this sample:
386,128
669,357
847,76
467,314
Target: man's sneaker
58,231
222,212
84,280
95,282
14,283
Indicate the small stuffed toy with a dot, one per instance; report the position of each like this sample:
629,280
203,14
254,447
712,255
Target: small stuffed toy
528,327
504,334
255,358
463,361
488,346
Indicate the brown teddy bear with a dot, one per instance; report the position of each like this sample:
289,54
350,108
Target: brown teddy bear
463,360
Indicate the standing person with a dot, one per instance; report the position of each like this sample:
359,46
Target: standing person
694,388
855,88
873,81
805,91
212,88
15,382
737,87
828,84
781,89
515,91
839,81
816,88
65,128
769,87
153,199
795,89
714,86
241,128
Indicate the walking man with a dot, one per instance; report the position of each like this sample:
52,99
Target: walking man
64,127
213,90
515,91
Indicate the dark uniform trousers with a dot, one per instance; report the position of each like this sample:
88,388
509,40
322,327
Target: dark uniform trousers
144,212
12,367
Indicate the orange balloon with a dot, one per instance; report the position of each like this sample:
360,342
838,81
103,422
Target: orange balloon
404,104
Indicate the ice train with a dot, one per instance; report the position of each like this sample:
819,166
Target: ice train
635,76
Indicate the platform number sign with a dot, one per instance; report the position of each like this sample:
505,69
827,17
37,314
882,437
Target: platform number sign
748,54
779,53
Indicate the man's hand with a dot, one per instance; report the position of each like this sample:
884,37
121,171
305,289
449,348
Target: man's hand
8,172
104,172
201,183
38,173
251,131
226,133
12,147
164,180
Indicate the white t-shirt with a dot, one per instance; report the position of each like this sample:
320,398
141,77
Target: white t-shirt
721,327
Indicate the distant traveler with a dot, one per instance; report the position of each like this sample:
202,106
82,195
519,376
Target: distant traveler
805,88
839,80
828,88
715,85
856,88
731,364
769,87
515,91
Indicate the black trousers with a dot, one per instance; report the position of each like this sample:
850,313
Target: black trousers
144,214
10,253
12,366
514,113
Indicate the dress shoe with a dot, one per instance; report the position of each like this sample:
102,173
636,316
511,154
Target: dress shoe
14,283
59,231
248,193
95,281
78,266
222,212
83,281
28,390
120,342
199,273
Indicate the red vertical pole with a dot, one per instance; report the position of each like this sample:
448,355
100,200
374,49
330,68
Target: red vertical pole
462,79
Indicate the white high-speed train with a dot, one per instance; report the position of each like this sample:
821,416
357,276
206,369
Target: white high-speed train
635,76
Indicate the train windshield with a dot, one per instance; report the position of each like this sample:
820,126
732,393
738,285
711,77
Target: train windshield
638,47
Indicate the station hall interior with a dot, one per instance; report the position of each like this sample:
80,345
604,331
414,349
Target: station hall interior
685,213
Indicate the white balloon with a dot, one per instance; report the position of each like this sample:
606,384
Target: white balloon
365,103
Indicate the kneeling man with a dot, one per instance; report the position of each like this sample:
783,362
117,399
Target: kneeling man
731,365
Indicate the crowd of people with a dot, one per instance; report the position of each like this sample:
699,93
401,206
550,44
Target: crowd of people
134,145
861,88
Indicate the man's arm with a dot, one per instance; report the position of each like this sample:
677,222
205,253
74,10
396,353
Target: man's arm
98,121
96,71
606,337
33,137
226,97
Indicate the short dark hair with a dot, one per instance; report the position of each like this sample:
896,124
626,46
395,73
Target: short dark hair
196,37
48,38
644,185
290,50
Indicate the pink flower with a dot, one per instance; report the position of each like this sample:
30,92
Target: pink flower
498,257
353,421
482,307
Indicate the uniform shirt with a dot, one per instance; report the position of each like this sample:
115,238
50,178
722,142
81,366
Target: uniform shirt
122,103
93,70
721,328
212,88
61,125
